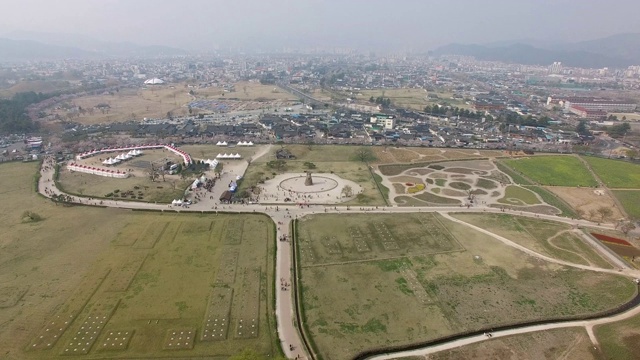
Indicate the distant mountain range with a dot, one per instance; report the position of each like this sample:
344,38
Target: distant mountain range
617,51
20,46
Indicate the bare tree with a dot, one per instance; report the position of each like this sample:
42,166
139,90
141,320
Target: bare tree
218,169
153,173
347,191
604,212
626,227
364,154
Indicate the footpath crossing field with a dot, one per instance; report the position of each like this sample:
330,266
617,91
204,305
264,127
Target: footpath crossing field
375,280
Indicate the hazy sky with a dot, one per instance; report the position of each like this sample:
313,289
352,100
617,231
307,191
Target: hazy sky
388,24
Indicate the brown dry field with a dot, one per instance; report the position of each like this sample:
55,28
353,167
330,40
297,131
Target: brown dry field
150,265
585,199
389,155
156,102
246,90
153,102
352,305
47,258
566,344
415,99
321,95
43,86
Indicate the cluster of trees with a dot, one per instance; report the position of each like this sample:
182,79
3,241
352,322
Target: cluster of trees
618,130
581,128
268,79
13,114
381,100
451,111
279,165
615,118
517,119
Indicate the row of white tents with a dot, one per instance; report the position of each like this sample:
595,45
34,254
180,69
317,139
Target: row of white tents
185,157
97,171
228,156
212,163
122,157
240,143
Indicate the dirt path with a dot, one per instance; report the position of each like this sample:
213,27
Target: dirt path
550,241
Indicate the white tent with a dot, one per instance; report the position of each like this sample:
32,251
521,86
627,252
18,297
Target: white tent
219,156
250,143
221,143
237,156
111,161
176,202
211,163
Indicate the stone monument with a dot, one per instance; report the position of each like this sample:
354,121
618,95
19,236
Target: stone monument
308,181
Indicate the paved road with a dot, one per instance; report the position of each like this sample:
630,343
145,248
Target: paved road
282,215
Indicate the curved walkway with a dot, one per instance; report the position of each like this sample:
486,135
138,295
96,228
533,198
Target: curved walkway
288,333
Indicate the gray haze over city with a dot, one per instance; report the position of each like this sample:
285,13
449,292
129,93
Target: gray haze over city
404,25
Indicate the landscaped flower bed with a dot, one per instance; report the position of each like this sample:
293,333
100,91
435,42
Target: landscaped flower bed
611,239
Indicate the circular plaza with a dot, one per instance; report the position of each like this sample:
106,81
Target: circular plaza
300,188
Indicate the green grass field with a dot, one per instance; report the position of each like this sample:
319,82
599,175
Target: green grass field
630,200
515,176
553,170
145,274
359,293
553,200
616,173
516,195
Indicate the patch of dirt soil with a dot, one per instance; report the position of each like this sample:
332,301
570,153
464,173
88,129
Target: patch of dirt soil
416,172
400,189
450,192
406,179
586,199
438,176
459,170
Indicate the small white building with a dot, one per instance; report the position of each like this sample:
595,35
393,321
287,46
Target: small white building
387,121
